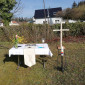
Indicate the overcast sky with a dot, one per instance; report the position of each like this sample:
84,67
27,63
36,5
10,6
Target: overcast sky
29,6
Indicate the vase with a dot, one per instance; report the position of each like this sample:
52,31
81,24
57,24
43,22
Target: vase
16,45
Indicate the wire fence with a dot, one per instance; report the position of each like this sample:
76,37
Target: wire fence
35,33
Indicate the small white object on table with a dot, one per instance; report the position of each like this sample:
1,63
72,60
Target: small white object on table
40,49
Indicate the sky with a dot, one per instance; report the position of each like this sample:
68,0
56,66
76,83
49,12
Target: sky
28,7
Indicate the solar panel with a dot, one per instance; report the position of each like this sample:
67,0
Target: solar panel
40,13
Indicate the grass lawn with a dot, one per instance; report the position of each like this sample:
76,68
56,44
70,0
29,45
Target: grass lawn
74,73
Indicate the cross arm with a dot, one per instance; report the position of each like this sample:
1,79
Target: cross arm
60,30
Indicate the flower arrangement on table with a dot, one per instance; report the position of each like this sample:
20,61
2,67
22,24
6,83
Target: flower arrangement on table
17,39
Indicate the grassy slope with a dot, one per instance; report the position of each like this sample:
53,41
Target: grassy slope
36,75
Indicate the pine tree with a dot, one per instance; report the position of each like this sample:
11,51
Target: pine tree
74,5
5,10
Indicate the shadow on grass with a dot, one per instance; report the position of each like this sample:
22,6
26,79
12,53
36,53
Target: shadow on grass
39,61
58,68
42,59
14,58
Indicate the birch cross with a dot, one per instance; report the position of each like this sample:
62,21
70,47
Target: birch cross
61,36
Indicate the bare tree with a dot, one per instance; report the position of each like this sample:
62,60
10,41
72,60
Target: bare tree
18,7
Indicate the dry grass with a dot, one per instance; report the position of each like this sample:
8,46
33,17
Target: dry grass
74,73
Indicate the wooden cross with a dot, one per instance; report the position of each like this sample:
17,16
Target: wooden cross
61,47
61,36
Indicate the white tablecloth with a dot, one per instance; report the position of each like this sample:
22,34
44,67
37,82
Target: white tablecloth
40,49
29,56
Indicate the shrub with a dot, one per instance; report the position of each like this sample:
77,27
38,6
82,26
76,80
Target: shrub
34,33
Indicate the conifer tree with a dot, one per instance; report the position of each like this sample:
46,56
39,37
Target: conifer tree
5,10
74,5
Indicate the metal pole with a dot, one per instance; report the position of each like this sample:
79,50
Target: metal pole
61,36
45,21
62,68
18,63
44,10
48,15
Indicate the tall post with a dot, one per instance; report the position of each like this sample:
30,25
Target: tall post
62,50
45,31
44,10
48,15
61,35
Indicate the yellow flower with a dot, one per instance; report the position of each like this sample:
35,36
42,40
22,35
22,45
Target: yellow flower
19,39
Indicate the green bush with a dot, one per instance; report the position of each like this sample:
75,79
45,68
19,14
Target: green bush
76,29
34,33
